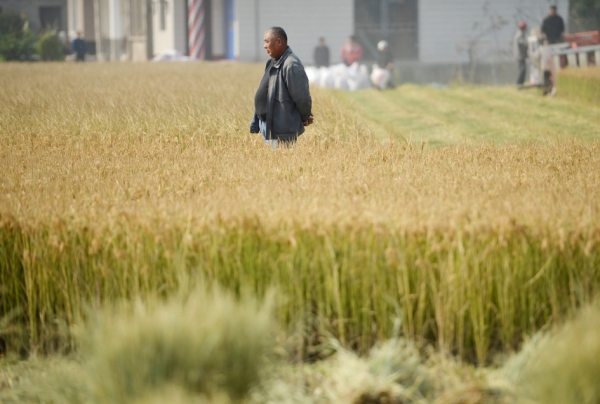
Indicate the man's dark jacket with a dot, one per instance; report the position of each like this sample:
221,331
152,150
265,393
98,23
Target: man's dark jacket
79,47
553,27
289,103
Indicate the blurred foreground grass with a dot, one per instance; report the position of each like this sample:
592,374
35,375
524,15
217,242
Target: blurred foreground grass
207,347
124,181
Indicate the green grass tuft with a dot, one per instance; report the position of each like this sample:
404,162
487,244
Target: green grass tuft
563,366
581,85
197,348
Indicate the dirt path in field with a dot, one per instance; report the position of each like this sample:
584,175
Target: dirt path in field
472,114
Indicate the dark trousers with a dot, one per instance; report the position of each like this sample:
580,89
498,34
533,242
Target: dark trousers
547,82
522,71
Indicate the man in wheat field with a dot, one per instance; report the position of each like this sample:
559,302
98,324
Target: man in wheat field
282,104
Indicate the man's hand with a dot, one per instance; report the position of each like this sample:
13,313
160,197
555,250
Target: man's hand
309,121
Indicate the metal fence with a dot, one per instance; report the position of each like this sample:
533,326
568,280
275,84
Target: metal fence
395,21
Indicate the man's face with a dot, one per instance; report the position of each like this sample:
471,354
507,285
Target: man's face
552,11
272,45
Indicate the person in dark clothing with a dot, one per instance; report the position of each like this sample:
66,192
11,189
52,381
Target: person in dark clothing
521,49
322,54
79,47
282,104
553,27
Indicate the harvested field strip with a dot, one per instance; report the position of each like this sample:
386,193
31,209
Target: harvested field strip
473,114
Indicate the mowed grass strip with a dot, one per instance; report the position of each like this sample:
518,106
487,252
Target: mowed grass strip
124,180
472,114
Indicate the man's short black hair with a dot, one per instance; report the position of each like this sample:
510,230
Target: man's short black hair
279,33
553,8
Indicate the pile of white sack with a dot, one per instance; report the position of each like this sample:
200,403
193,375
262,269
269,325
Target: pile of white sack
342,77
349,78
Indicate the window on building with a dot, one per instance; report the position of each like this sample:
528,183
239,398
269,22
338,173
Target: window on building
50,18
163,14
395,21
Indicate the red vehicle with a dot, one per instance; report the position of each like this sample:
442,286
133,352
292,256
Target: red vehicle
583,38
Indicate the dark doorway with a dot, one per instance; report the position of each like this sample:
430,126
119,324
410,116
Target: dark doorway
395,21
50,18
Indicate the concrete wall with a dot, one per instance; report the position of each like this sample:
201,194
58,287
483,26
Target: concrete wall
180,35
449,28
304,21
88,20
447,73
218,29
31,8
164,37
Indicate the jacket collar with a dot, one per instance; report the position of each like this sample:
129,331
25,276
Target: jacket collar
278,62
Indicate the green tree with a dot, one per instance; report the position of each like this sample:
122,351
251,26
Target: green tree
584,15
17,42
50,47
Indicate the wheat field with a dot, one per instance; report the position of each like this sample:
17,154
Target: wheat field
125,181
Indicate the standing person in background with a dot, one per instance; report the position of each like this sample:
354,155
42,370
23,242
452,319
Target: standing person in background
79,47
520,49
553,27
282,104
322,54
351,51
385,61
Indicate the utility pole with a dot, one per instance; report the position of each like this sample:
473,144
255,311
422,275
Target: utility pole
97,35
257,30
115,29
149,31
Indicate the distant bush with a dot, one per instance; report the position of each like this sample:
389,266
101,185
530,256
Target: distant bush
50,47
17,42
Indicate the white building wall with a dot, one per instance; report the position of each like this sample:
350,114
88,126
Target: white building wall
180,35
75,17
174,34
448,28
303,20
163,37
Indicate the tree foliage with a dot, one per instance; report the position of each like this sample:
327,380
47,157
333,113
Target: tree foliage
17,42
50,47
585,15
